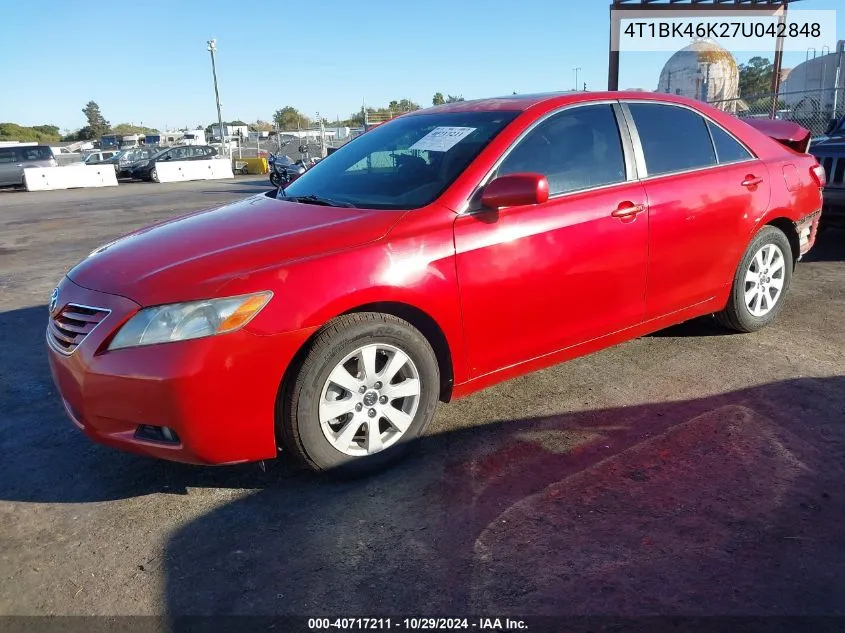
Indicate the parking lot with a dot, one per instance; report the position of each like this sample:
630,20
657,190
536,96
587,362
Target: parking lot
689,472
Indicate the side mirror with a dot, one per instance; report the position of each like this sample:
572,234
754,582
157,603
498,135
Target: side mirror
515,190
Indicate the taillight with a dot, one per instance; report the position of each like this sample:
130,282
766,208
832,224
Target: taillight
819,175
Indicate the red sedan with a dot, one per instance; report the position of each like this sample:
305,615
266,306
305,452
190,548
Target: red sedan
437,254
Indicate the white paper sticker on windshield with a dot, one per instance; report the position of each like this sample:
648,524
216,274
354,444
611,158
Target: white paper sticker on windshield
442,139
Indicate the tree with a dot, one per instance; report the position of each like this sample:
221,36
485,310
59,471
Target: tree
97,124
438,99
128,128
403,105
261,126
755,77
289,118
47,130
36,133
454,99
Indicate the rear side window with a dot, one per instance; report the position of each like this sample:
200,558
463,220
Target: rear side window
7,156
673,139
578,148
728,150
36,153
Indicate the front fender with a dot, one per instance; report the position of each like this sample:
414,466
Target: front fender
415,272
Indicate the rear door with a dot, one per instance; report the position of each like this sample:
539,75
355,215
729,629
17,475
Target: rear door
702,185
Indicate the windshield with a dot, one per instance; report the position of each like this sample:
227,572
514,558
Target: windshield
404,164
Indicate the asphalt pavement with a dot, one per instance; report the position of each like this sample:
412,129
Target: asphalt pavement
690,472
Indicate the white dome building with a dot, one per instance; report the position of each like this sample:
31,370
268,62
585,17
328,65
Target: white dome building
703,70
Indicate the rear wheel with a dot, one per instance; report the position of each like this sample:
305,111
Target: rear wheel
275,179
154,175
366,389
760,283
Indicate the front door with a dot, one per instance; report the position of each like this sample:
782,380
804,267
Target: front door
536,279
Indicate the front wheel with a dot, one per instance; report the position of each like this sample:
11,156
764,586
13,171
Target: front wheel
760,282
275,179
367,387
154,175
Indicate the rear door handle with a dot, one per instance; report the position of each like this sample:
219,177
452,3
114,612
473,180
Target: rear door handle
627,210
751,181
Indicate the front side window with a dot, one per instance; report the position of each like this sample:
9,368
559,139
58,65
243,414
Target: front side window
728,149
7,156
578,148
404,164
673,138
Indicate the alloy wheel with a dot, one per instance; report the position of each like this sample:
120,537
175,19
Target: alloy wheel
370,399
764,280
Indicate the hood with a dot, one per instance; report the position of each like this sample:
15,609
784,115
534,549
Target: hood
193,256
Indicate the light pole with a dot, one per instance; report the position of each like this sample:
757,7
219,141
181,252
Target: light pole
212,48
576,76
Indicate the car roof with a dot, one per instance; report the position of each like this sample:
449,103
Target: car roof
551,99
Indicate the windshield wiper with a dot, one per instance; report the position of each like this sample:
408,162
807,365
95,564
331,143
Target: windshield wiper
312,199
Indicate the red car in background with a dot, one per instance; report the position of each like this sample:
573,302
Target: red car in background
437,254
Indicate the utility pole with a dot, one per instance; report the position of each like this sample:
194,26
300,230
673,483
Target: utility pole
322,136
212,48
576,76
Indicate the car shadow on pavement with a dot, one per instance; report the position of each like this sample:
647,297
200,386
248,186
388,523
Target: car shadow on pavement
720,505
255,181
244,191
701,326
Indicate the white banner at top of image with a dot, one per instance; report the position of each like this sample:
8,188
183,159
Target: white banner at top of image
735,30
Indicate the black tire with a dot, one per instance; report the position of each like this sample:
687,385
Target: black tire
154,175
297,412
736,315
275,179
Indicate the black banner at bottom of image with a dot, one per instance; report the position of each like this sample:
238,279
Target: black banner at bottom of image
297,624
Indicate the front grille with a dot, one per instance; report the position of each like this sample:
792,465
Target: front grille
834,169
68,328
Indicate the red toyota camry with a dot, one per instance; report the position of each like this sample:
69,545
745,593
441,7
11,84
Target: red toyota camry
437,254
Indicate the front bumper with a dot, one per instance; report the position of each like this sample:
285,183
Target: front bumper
217,393
140,173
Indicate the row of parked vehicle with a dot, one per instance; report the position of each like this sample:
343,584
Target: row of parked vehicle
140,163
137,163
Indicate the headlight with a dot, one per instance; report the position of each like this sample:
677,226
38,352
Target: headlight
183,321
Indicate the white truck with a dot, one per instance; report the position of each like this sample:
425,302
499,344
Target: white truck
194,137
128,141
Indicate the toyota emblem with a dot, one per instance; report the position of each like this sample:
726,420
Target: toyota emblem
54,300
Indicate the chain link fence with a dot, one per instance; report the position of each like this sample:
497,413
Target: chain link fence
812,109
290,144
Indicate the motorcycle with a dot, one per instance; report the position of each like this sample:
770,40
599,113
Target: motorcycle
284,171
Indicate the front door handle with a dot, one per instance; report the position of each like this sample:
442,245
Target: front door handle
751,181
627,211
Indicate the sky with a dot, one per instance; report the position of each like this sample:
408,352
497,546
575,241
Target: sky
145,61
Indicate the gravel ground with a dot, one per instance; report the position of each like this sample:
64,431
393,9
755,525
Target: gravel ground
691,472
